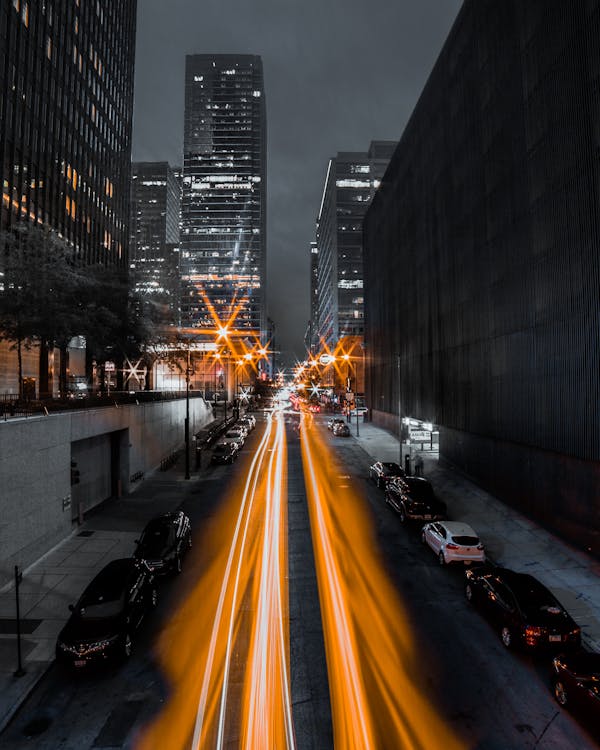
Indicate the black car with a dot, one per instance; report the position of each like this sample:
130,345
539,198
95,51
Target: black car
576,682
331,423
523,609
107,614
414,499
164,542
224,453
381,472
341,430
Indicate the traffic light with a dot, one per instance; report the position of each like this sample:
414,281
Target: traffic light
74,473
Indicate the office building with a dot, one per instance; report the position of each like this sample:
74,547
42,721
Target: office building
482,260
154,249
351,181
66,101
223,230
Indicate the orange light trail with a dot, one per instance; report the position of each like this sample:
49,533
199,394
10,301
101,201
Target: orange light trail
226,651
376,700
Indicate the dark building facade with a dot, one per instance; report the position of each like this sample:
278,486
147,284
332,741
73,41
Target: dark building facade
66,99
482,260
223,230
351,181
66,105
154,225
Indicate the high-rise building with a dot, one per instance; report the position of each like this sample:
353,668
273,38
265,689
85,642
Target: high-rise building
352,179
154,226
66,103
66,106
223,230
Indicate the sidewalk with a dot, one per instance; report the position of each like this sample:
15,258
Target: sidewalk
58,579
510,539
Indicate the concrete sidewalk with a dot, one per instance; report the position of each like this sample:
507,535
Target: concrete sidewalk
510,539
59,577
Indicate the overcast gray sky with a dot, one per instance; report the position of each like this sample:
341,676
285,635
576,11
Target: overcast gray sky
338,74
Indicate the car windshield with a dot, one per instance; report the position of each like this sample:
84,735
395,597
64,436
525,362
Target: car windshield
100,609
391,468
466,541
221,449
154,539
420,491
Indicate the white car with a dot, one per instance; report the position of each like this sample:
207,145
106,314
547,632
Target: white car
234,436
453,541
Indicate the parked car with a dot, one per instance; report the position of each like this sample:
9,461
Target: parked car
164,542
341,430
234,436
414,499
453,541
224,453
382,472
249,422
576,682
107,615
524,610
333,421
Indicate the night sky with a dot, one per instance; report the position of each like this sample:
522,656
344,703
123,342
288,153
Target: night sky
338,74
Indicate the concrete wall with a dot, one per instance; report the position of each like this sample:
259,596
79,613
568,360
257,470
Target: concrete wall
561,492
38,504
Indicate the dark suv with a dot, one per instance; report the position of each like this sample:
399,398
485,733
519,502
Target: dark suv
414,499
164,542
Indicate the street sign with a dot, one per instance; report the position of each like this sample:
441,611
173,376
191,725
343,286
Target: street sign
109,366
420,436
349,396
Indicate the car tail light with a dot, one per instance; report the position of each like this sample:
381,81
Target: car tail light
452,546
533,631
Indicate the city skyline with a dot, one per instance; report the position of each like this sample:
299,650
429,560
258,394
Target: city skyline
335,79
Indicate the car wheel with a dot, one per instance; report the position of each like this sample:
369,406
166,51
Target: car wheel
441,558
506,636
469,593
127,646
560,693
153,598
402,515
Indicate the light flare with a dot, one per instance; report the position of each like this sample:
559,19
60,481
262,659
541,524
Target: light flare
375,682
226,650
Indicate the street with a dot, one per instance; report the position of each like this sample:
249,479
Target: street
398,658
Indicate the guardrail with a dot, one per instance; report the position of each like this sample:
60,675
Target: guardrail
11,406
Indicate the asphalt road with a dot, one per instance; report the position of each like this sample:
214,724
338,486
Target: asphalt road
494,699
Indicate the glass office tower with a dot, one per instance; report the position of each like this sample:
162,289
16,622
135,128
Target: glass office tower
223,242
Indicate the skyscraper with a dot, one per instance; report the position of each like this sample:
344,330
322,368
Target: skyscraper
66,103
352,178
66,107
154,250
223,239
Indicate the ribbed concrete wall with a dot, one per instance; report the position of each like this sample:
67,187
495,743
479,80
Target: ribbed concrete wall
37,502
482,255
